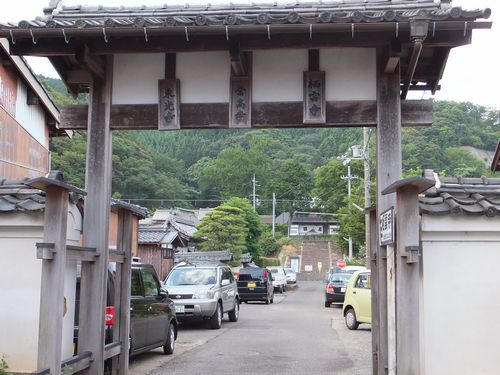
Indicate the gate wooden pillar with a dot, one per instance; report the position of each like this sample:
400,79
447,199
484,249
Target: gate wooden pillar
96,218
407,272
373,262
388,171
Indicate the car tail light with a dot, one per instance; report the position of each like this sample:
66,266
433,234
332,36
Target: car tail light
329,288
265,274
237,275
110,315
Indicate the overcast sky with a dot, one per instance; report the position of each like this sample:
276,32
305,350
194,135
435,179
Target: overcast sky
472,72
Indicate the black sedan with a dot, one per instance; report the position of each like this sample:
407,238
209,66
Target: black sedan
335,288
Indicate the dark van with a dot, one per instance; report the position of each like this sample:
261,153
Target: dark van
255,284
152,314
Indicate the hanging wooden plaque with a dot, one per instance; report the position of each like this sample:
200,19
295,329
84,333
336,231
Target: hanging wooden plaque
240,103
314,98
169,104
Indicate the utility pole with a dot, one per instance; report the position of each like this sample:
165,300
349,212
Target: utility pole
274,211
253,194
349,178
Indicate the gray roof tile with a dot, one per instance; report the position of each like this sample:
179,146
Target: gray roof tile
168,16
462,196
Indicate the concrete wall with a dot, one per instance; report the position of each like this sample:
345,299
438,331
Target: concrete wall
460,295
277,75
20,278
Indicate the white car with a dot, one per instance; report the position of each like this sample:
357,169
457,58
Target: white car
291,276
279,278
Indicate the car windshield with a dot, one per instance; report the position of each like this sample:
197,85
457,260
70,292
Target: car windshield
192,276
335,278
289,270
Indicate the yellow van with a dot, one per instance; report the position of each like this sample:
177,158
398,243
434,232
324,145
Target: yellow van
357,306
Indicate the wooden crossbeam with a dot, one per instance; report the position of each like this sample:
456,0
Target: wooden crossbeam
264,115
250,42
112,349
116,256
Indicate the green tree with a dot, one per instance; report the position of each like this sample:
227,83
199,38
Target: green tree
292,182
253,225
351,224
329,189
223,228
232,172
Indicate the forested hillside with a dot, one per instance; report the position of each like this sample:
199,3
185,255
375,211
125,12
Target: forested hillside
203,168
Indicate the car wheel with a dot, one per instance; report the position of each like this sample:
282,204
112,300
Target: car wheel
234,314
281,289
169,346
216,319
327,304
350,319
272,300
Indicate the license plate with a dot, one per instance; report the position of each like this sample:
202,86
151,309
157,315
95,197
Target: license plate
251,285
342,290
179,308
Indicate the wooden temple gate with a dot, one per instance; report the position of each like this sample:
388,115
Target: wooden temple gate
239,67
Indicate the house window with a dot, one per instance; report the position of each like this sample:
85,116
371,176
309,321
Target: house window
168,252
304,229
320,229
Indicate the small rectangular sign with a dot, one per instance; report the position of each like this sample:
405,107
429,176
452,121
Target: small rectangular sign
308,268
240,106
386,227
169,104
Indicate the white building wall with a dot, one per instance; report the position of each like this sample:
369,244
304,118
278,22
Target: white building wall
20,270
30,117
277,75
460,295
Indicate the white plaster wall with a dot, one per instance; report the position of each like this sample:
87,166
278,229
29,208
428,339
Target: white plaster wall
460,295
204,77
30,117
277,76
135,77
20,280
350,73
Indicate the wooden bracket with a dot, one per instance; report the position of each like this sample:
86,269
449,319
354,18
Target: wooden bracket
91,63
239,65
412,253
393,56
45,250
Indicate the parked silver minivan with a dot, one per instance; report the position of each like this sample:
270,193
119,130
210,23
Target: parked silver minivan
203,291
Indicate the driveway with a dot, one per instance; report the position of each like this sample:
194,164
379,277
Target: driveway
295,335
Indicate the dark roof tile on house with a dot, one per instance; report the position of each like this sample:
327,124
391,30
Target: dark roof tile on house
15,195
462,196
139,211
147,235
313,218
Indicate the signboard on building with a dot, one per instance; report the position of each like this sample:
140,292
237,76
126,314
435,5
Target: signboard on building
386,227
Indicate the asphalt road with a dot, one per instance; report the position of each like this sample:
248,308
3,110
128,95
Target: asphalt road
295,335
